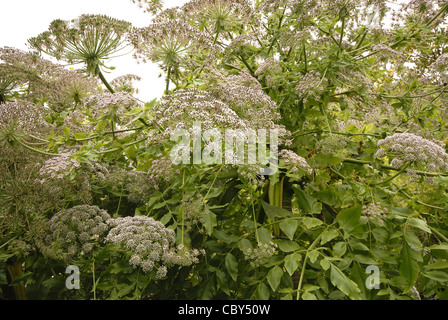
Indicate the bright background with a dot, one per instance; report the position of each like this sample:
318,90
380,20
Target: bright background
23,19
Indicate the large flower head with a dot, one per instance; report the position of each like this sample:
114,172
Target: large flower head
90,39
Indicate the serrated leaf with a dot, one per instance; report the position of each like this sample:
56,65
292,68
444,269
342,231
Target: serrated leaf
274,277
289,227
343,283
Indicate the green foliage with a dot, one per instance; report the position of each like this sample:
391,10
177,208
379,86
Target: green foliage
341,201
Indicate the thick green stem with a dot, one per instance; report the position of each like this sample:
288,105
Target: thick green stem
108,86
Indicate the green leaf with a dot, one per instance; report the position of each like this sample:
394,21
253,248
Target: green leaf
274,277
348,219
313,255
419,224
310,222
340,248
325,263
437,265
289,227
232,266
343,283
287,245
275,212
307,203
120,267
262,292
408,267
264,235
436,275
292,262
329,235
209,221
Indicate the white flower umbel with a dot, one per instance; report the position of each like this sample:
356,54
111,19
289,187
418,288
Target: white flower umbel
412,149
75,231
151,244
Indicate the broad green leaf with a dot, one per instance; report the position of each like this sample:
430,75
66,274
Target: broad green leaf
223,281
329,235
308,296
262,292
418,223
348,219
343,283
209,221
325,263
275,212
310,222
289,227
313,255
292,262
437,275
232,266
437,265
264,235
274,277
287,245
340,248
307,203
408,267
412,240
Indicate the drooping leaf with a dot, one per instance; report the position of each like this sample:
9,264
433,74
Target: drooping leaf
232,266
343,283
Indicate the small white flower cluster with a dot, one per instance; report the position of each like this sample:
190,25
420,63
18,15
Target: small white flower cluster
115,104
294,162
311,85
161,170
374,211
333,144
268,65
74,231
150,243
411,148
439,68
58,167
261,254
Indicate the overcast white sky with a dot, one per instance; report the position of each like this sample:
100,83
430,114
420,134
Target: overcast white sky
23,19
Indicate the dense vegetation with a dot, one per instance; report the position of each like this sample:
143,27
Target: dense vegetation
356,91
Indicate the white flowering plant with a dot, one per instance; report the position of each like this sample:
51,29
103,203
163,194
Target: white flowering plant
355,92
